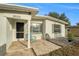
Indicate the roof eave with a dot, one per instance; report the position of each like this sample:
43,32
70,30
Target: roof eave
51,18
18,8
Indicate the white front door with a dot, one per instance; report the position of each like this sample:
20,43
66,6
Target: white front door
20,30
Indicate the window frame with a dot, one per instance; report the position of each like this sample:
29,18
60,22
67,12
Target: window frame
56,28
40,28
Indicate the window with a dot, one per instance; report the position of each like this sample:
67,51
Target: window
57,28
19,27
19,30
36,27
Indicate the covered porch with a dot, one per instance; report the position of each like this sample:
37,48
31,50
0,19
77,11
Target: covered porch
26,30
17,30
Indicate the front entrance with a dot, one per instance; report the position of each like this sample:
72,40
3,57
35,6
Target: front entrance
19,30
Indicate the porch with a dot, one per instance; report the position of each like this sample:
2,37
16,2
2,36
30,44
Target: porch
38,47
27,30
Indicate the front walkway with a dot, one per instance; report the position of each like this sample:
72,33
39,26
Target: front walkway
43,47
39,47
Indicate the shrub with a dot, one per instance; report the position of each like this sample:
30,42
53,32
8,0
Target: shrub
70,37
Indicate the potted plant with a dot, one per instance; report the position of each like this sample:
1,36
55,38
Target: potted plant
70,37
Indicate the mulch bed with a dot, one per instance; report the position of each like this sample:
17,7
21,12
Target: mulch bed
68,48
66,51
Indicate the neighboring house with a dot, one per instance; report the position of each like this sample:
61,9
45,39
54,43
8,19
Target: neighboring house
21,23
74,30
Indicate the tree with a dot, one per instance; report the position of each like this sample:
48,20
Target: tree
61,16
53,14
64,18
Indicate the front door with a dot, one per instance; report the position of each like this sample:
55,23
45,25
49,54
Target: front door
19,30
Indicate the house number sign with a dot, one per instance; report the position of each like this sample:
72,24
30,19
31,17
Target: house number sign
16,16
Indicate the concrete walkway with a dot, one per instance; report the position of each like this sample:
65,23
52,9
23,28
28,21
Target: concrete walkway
42,47
39,47
19,48
21,52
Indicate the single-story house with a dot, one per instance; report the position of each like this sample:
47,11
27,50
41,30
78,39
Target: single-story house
22,23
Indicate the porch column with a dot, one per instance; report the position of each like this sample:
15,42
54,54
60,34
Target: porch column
29,46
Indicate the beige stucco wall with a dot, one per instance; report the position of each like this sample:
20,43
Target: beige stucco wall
3,34
9,30
48,29
2,30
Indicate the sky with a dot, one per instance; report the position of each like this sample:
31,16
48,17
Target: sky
71,10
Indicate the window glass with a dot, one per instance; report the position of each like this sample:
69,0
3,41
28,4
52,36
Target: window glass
20,27
57,28
36,27
19,30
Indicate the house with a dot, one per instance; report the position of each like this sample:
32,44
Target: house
74,30
22,23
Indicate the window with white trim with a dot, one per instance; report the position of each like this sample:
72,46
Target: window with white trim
57,28
36,27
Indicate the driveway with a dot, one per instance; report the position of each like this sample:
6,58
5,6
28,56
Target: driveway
39,47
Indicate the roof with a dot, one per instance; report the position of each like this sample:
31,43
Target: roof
50,18
18,8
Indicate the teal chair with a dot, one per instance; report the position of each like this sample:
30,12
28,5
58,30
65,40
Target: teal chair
33,38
